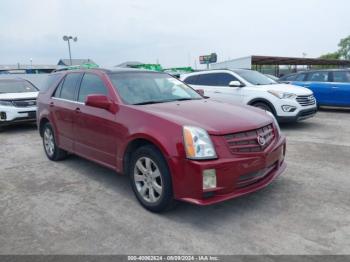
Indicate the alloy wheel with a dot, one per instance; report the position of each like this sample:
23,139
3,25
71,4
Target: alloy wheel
49,142
148,179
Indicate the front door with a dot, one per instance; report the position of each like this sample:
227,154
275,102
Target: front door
341,88
95,137
319,83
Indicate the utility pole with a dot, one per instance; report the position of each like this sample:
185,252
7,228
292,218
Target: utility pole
67,38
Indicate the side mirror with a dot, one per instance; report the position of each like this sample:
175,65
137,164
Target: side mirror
235,84
200,91
99,101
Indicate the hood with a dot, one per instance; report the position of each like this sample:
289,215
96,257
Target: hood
217,118
298,90
24,95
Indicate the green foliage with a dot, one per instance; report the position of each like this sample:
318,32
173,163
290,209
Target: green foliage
331,56
344,48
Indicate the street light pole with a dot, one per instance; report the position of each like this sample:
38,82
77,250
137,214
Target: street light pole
70,54
67,38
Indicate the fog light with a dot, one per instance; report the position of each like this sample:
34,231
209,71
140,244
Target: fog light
287,108
209,179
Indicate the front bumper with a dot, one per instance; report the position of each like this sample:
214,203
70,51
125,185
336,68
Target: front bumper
301,112
11,115
301,115
229,174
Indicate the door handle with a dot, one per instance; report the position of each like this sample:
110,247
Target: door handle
77,110
52,104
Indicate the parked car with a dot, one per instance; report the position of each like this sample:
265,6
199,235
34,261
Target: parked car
331,87
17,101
288,103
169,140
274,78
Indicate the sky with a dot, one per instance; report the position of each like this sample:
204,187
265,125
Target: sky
173,33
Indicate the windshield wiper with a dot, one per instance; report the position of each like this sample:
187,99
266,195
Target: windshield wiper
184,99
165,101
152,102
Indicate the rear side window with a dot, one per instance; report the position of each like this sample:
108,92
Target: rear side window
318,77
215,79
69,86
191,80
341,76
58,89
300,77
91,84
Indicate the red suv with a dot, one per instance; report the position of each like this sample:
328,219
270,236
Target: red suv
173,143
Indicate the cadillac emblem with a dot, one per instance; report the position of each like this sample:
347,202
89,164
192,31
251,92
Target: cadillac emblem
261,140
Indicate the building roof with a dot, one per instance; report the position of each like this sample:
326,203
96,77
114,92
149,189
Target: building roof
66,62
26,67
129,64
279,60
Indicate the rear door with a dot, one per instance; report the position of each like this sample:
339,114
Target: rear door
341,87
62,106
94,127
319,82
216,85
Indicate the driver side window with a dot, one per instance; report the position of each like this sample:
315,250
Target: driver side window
91,84
318,77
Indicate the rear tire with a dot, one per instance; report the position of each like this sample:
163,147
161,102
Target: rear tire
150,179
52,151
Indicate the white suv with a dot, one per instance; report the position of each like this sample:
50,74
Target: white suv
287,102
17,101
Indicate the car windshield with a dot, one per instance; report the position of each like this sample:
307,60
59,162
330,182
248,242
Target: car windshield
16,86
139,88
255,77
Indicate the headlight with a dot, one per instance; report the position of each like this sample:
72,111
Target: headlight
5,103
198,144
282,95
277,126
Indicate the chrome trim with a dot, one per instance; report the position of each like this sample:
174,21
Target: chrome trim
66,100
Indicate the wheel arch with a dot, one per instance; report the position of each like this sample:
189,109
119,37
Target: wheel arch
42,123
137,142
263,100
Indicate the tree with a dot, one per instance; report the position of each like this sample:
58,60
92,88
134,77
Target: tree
344,48
331,56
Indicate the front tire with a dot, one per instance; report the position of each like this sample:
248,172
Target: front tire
263,106
52,151
150,179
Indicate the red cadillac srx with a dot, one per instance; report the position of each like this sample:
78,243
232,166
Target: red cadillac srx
173,143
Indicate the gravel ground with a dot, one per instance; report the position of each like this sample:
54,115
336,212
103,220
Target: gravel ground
78,207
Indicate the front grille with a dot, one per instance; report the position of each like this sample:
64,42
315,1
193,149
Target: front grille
24,103
250,141
306,100
252,178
